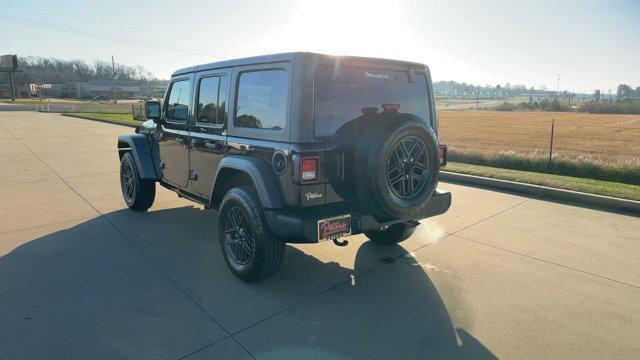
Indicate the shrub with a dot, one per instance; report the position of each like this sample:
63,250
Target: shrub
612,107
544,105
505,106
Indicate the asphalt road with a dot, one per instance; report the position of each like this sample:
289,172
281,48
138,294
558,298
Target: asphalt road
499,275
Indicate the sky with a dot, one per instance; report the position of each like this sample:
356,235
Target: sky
590,44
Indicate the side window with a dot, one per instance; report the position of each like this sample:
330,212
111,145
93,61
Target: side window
212,100
178,102
262,100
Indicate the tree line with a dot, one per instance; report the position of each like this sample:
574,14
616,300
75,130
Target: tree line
34,69
464,90
627,92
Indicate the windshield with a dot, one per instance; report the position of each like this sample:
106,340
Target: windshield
341,98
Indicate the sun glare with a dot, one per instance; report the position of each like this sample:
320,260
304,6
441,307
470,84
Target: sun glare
361,28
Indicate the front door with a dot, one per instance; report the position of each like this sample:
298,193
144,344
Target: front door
173,133
208,136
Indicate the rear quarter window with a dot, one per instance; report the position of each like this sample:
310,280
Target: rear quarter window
262,100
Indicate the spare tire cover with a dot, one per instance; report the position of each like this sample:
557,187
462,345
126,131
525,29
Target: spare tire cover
397,167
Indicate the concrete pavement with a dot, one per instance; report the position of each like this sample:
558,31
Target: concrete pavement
499,275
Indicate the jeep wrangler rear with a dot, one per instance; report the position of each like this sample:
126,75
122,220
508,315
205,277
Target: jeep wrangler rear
338,147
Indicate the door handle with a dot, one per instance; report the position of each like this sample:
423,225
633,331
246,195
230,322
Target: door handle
214,146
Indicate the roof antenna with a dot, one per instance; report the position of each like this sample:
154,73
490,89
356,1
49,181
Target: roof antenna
337,69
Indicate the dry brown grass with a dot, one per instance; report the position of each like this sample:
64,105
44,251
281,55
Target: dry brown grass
609,138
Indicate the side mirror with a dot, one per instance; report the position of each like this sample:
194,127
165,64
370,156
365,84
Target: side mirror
152,110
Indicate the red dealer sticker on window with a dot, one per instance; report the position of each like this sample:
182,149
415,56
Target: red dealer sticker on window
334,228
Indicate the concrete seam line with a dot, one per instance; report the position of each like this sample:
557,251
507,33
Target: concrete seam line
45,225
335,286
125,237
545,192
272,315
242,346
547,261
489,217
215,343
204,347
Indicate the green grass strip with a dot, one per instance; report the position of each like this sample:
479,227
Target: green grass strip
599,187
119,118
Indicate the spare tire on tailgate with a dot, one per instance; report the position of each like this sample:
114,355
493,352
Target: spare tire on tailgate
397,166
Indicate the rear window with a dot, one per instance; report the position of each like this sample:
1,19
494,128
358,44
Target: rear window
341,98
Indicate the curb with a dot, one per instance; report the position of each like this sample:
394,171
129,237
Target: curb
114,122
544,192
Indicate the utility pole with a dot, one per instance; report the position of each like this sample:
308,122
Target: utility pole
553,125
531,94
113,78
570,95
558,87
13,87
477,97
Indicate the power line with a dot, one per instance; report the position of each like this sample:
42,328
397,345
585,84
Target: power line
119,25
106,36
83,18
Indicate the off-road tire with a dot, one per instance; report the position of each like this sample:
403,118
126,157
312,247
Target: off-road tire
372,155
138,193
394,234
268,250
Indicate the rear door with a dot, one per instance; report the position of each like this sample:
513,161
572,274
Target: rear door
173,133
208,133
346,98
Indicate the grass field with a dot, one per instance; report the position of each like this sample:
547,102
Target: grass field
609,138
120,118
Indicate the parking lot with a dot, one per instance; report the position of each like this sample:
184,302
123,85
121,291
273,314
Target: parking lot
499,275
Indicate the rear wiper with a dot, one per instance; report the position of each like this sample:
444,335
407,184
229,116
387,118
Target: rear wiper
337,69
411,73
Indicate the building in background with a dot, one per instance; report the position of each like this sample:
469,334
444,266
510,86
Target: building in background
91,90
106,90
22,91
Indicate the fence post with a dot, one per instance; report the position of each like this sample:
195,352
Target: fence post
553,122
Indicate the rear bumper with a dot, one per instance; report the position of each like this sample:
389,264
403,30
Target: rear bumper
303,228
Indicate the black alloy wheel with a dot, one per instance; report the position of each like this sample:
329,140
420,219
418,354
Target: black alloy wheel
239,238
407,167
138,193
128,183
251,252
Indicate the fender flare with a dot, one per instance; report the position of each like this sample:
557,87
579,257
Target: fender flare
140,148
260,172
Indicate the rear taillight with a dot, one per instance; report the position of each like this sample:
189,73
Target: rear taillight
442,155
308,169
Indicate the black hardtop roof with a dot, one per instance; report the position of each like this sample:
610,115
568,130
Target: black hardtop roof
272,58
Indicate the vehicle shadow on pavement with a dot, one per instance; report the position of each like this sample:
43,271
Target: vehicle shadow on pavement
95,291
391,310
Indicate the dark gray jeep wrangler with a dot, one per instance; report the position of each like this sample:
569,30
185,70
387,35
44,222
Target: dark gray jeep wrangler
294,147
